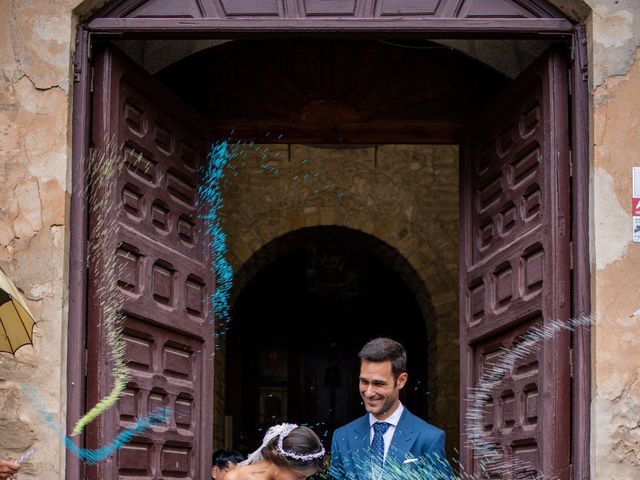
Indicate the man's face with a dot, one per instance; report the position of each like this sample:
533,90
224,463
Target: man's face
218,473
379,389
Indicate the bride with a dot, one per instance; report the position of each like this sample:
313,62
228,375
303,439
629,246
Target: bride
288,452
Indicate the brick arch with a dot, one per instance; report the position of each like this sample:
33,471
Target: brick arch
366,242
261,208
387,250
371,244
404,197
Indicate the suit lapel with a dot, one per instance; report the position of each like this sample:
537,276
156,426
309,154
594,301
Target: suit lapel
359,445
403,439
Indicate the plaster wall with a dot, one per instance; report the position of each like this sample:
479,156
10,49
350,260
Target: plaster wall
36,41
615,78
35,46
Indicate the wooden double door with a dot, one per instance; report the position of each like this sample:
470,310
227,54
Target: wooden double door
514,275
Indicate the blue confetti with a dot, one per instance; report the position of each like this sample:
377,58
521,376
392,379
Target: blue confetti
210,200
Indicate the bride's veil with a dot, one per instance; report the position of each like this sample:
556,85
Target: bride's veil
281,431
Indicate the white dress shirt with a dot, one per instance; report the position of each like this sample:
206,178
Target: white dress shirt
388,435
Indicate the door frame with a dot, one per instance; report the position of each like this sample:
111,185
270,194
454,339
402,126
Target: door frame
497,28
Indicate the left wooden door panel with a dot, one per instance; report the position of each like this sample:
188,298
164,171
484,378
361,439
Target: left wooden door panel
163,273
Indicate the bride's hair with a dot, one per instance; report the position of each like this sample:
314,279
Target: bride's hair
298,449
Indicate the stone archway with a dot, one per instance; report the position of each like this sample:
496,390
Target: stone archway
317,295
401,200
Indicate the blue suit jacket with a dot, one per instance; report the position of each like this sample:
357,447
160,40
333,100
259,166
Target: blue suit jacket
416,451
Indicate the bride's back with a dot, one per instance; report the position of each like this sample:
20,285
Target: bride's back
288,452
263,470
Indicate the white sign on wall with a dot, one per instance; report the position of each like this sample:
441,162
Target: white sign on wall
635,203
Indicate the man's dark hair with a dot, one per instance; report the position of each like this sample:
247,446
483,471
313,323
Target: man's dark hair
385,349
221,458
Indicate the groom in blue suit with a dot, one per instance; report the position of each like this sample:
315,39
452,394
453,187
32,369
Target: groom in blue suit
389,442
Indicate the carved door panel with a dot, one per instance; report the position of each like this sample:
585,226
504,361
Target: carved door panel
515,275
162,272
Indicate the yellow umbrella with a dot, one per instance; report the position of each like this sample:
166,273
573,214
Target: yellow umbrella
16,321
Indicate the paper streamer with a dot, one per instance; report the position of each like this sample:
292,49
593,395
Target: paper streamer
158,416
209,202
488,451
104,170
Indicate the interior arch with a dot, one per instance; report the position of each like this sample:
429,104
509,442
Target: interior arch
318,295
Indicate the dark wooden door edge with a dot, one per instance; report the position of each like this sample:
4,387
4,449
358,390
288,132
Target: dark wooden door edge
581,273
77,327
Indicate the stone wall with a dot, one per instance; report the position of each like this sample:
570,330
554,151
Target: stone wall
405,195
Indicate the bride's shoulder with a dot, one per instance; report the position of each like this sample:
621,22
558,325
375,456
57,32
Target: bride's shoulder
242,473
234,474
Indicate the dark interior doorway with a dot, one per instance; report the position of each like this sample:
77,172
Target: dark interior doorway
297,326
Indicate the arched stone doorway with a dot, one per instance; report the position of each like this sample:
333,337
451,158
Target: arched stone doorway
116,20
405,215
291,349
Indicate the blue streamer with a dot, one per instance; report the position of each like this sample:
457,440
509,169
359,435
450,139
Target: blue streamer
210,200
158,416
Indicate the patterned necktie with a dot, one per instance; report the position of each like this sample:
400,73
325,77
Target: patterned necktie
377,446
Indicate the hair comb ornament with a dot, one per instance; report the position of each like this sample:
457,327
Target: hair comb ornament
286,430
281,432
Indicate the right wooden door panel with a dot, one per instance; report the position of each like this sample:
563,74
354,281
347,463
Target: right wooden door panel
515,276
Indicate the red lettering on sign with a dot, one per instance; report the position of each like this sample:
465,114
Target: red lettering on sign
635,207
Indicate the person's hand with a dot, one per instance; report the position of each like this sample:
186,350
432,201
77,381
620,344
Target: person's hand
8,469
